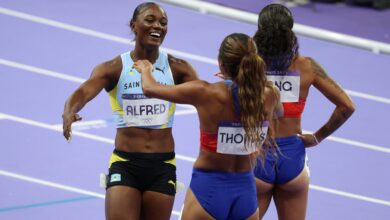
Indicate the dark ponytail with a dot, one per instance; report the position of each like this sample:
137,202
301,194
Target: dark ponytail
276,42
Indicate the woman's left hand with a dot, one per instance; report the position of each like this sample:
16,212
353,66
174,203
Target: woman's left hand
309,140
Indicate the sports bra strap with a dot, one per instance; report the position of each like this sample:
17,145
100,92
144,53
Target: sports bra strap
234,89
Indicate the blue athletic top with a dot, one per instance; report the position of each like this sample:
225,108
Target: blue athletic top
236,101
133,109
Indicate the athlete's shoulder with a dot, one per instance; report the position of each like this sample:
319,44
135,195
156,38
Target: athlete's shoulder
181,69
302,63
109,70
175,62
301,60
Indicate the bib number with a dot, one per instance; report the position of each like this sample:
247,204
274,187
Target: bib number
139,110
231,136
288,84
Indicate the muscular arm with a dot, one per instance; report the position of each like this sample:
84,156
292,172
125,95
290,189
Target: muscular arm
186,93
331,90
103,76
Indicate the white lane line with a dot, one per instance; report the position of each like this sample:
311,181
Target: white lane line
51,184
350,195
41,71
355,143
117,39
358,144
96,34
74,133
58,186
368,96
83,125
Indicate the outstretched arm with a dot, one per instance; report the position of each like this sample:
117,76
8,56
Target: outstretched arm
334,93
185,93
102,77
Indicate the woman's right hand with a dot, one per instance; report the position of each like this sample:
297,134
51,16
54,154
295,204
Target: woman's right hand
220,75
67,120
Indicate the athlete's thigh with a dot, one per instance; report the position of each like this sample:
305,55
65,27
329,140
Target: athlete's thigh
299,183
192,209
264,196
291,198
122,202
157,205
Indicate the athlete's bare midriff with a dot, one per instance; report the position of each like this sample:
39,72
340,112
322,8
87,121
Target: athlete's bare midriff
288,127
144,140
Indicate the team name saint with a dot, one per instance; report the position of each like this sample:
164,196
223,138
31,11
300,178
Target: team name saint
137,84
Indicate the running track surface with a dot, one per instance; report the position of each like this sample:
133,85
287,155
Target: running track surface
42,62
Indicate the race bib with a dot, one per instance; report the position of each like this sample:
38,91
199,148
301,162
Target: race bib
231,139
139,110
288,84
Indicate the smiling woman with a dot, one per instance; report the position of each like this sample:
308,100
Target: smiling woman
142,169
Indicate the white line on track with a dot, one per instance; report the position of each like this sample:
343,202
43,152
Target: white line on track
355,143
96,34
58,186
122,40
350,195
51,184
368,96
41,71
74,133
86,125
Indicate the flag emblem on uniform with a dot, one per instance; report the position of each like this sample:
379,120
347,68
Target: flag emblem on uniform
115,177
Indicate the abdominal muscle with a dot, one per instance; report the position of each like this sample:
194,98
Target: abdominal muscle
144,140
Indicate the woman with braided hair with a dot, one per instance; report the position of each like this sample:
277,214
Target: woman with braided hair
284,176
234,116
